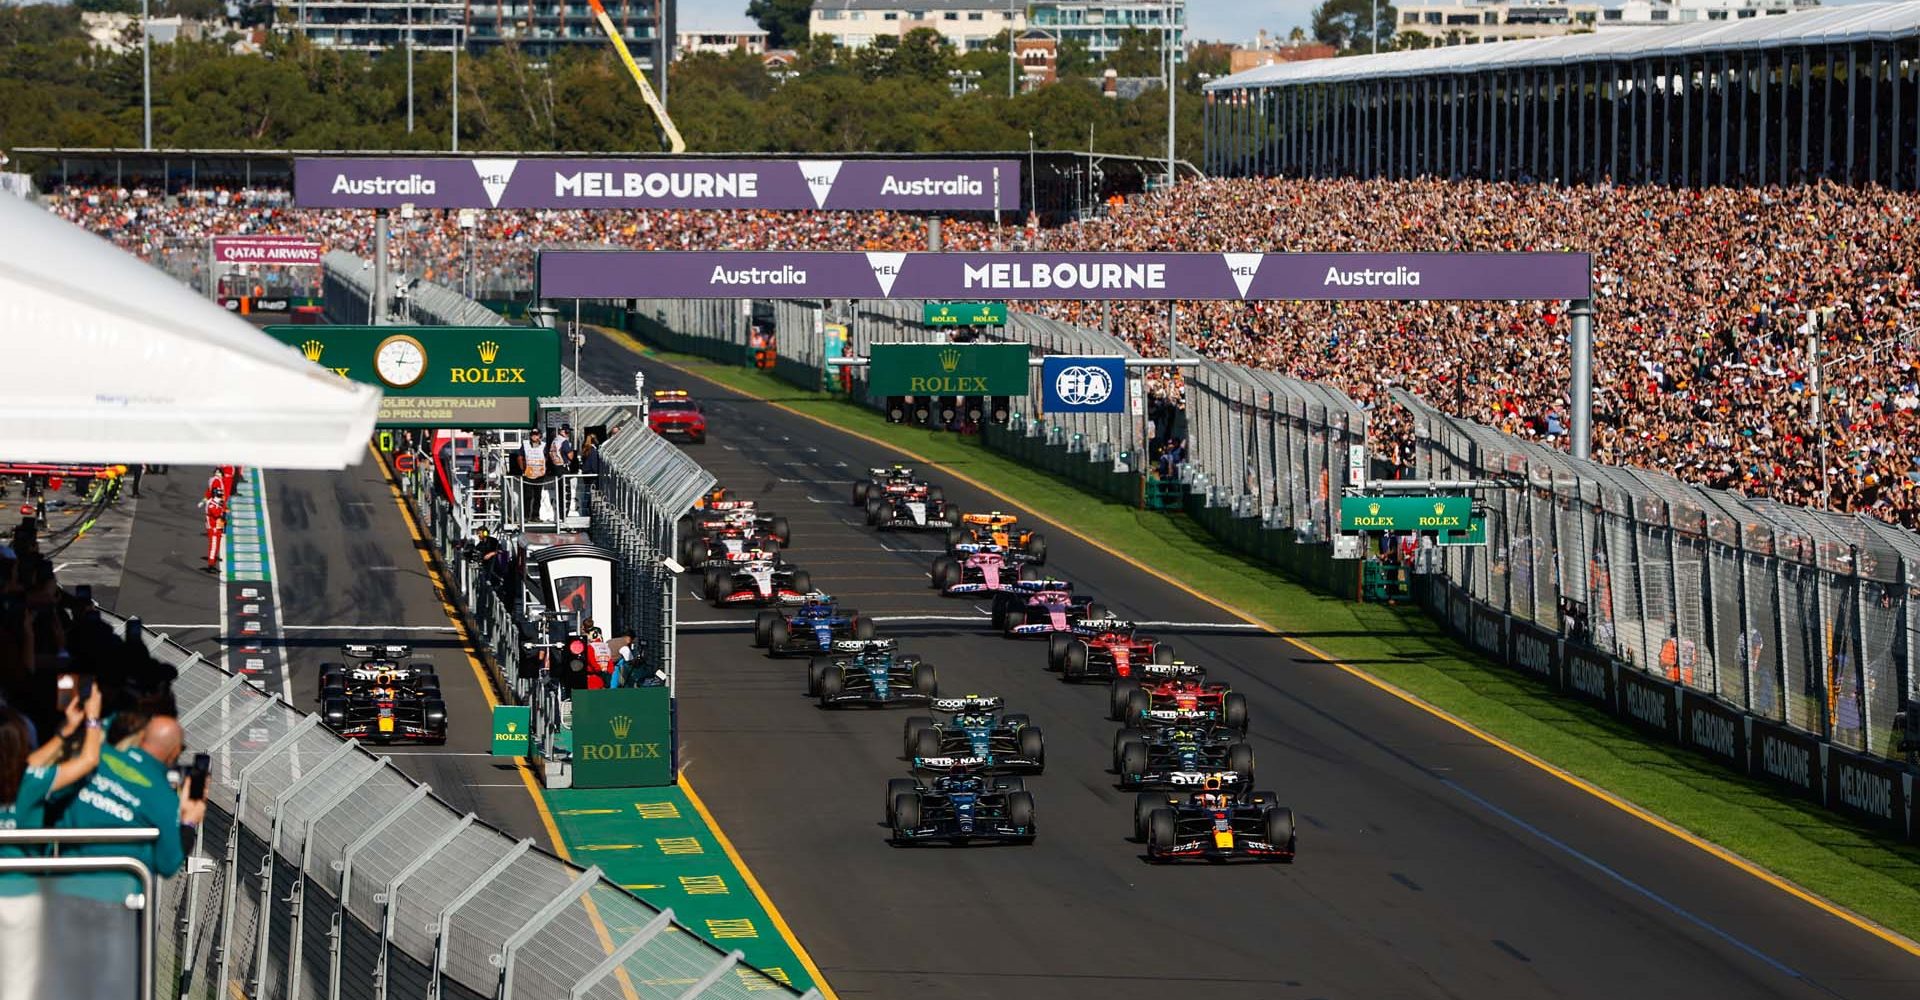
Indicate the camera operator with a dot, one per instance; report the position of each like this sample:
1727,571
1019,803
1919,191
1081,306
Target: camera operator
27,782
132,788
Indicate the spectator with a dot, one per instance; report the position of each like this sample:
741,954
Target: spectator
27,782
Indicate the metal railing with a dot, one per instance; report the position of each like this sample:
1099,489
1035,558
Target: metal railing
47,870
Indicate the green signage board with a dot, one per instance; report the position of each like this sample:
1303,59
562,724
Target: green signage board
1476,533
965,313
947,369
440,376
622,738
511,727
1405,513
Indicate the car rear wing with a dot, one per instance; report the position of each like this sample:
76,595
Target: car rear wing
970,703
1188,670
865,645
817,597
1103,625
1040,586
883,473
978,548
724,505
949,763
371,650
995,519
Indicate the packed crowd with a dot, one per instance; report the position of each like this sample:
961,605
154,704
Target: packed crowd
1706,303
88,740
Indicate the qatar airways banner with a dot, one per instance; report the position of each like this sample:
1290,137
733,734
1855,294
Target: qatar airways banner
446,182
282,250
618,274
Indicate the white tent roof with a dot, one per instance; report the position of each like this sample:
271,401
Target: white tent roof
109,360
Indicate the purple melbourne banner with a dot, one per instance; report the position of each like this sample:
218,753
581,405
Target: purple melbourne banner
286,250
620,274
444,182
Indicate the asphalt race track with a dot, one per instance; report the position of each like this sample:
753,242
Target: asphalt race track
1431,864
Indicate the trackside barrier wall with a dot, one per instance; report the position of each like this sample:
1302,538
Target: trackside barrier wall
327,873
1775,639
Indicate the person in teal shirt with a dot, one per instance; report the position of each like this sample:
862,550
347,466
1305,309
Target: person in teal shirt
27,781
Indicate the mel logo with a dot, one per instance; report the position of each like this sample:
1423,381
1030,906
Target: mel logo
1243,266
886,268
820,175
494,175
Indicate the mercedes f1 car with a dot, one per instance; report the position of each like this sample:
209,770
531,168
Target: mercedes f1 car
973,568
1175,694
374,699
1101,648
1000,530
1182,757
974,734
916,508
1215,825
810,629
870,672
1040,608
761,583
960,808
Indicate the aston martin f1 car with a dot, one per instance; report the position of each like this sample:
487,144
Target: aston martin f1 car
1215,826
918,508
960,808
1182,757
1001,530
374,699
1175,694
810,629
870,672
761,583
973,568
1100,648
1039,608
974,734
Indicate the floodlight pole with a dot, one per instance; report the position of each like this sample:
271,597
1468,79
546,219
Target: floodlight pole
1010,60
459,42
377,309
1580,394
1168,52
146,74
409,67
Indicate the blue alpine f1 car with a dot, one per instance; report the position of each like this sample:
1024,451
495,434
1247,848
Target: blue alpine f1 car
810,629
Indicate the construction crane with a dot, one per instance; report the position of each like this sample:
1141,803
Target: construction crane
646,90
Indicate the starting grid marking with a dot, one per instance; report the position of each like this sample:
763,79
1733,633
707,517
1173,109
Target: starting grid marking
250,596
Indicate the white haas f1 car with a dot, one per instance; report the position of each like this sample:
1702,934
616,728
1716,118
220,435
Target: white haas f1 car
376,700
762,583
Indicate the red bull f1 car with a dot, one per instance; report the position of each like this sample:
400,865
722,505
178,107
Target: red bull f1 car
871,673
1176,694
374,699
1041,608
1103,648
962,807
1215,825
1001,530
973,732
810,629
980,569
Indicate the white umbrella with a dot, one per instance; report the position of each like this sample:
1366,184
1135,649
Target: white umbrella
104,359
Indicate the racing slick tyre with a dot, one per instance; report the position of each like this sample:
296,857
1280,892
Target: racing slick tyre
873,511
428,684
860,493
422,669
864,629
1020,810
1002,607
943,567
831,684
334,711
1119,694
1240,760
763,627
936,495
1160,830
926,743
1073,663
692,548
436,717
956,536
1033,745
1138,701
1280,828
332,675
1233,710
1015,720
710,582
1057,650
333,692
1144,803
897,787
1122,738
910,734
779,633
1098,611
816,670
924,680
1037,549
802,581
1029,573
1133,762
1162,654
906,812
1009,785
777,527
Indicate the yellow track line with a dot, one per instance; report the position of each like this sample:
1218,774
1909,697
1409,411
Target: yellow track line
1886,934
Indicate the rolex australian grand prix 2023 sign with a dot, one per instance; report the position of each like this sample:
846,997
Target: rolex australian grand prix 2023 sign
615,274
569,182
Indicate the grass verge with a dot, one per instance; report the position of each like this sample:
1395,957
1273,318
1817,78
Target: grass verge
1855,868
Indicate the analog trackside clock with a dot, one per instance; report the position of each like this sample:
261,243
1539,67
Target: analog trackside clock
400,361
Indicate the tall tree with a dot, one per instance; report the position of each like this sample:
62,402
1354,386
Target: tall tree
784,21
1349,25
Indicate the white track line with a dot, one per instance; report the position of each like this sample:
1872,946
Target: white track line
273,581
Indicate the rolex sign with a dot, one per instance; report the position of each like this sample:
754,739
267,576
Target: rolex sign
622,738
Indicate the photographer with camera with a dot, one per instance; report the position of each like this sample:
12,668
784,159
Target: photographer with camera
132,788
27,781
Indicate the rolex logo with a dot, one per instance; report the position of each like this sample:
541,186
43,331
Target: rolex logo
621,726
513,727
1439,508
949,359
313,349
1373,508
488,351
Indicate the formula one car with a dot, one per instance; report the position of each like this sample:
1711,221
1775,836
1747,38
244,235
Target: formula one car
1175,694
974,736
377,700
897,787
809,629
916,508
1182,757
1041,607
711,534
760,583
675,414
974,568
1215,825
869,672
1002,530
895,478
960,808
1096,648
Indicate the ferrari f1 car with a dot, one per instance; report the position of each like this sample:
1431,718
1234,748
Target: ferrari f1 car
1214,825
374,699
1175,694
1041,607
1100,648
974,733
1001,530
1182,757
973,568
810,629
871,672
916,508
960,808
761,583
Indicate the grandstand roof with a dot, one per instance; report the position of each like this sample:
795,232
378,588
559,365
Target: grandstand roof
1822,26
